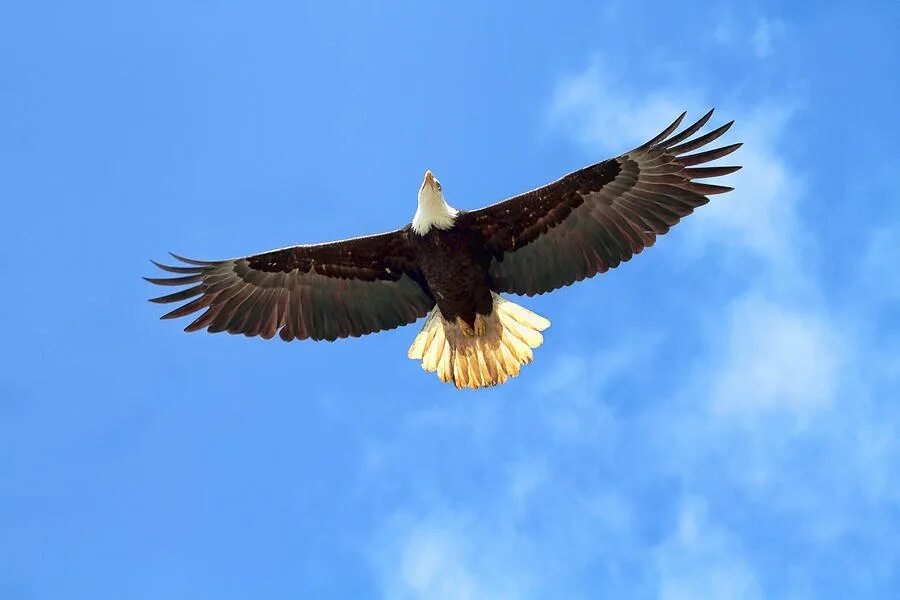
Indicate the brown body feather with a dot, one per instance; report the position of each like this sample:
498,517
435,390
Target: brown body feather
455,265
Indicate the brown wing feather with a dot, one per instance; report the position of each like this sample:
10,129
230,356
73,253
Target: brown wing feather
321,291
595,218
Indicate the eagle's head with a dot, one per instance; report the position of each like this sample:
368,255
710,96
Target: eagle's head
430,190
433,209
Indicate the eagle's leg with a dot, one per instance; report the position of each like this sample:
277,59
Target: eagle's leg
466,329
478,330
480,325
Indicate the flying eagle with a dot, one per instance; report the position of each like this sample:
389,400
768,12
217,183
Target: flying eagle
452,265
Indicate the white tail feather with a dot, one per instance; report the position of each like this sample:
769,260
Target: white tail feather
511,332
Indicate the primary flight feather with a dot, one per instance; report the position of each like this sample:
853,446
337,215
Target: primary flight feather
451,265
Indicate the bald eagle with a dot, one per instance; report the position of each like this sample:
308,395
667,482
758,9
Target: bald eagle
452,265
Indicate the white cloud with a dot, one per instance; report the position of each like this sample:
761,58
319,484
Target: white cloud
596,110
775,359
613,513
434,564
579,377
527,477
768,32
571,392
699,560
739,34
879,272
447,556
784,408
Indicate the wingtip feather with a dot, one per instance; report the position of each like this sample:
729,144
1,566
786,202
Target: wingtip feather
191,261
172,269
175,280
665,132
709,155
689,130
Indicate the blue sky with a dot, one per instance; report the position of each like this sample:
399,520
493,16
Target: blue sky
717,418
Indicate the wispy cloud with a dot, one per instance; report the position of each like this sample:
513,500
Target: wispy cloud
775,359
447,556
878,268
767,34
700,560
758,35
598,111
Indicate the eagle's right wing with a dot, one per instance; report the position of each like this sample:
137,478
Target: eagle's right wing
318,291
595,218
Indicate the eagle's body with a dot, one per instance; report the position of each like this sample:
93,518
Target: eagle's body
455,266
452,265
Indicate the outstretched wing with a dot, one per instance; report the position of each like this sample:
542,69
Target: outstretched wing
595,218
321,291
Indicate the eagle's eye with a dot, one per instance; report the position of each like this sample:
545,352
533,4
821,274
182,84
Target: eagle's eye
437,185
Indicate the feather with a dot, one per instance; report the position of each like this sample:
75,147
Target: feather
689,131
702,140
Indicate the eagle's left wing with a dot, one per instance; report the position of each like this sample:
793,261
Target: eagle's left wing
595,218
319,291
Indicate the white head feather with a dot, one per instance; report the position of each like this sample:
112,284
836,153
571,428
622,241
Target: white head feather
433,210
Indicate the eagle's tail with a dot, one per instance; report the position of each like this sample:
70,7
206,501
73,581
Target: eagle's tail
487,355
